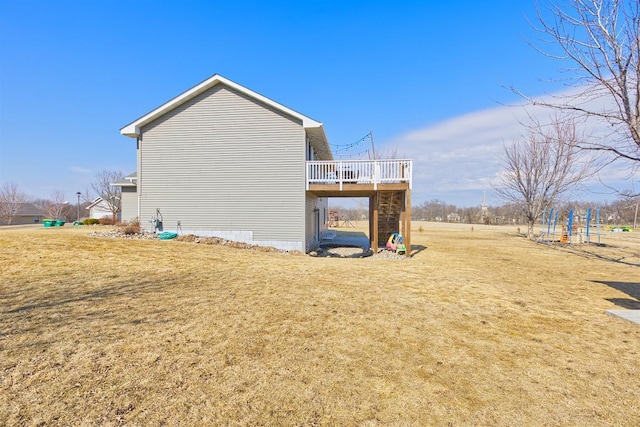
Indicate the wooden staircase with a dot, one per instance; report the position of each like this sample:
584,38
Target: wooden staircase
390,205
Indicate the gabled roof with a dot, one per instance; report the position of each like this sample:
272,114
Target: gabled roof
96,202
127,181
28,209
133,129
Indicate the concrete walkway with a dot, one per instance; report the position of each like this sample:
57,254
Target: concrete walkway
630,315
349,239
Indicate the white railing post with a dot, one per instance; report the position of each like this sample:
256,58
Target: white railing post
376,174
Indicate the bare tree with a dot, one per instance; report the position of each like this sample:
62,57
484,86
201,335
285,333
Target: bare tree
600,41
391,153
110,194
56,206
10,199
542,167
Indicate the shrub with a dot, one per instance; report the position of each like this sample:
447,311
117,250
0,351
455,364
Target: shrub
91,221
131,227
106,221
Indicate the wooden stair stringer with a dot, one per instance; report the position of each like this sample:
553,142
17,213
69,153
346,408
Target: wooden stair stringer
390,207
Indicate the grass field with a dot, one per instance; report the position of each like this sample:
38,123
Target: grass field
479,327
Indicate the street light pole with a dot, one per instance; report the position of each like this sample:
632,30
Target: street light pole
78,206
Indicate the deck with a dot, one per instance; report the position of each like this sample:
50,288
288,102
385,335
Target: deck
359,177
386,183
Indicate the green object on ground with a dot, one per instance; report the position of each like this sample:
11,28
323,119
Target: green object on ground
59,223
167,235
48,222
78,223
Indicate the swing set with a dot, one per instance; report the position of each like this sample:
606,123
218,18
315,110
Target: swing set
571,231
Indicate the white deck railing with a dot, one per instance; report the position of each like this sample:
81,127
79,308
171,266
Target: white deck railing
359,172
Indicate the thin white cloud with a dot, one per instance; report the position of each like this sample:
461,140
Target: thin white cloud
80,169
457,160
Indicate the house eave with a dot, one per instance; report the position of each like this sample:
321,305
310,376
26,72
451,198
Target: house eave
95,202
122,184
130,131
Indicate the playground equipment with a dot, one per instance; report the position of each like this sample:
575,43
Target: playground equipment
550,234
334,219
588,229
566,237
585,237
572,228
395,244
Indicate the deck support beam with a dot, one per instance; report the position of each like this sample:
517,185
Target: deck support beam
373,222
407,219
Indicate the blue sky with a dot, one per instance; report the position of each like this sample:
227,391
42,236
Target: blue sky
424,76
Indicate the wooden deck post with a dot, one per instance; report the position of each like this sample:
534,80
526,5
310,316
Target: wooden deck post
407,216
373,222
402,225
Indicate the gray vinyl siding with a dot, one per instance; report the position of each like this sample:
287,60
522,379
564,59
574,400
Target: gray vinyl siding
224,164
323,205
312,203
129,204
310,226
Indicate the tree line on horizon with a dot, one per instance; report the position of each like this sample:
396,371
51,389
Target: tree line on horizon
622,211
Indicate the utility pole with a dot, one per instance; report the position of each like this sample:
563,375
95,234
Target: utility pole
78,206
373,148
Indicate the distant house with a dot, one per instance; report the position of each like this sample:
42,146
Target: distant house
25,213
128,197
99,208
222,160
453,217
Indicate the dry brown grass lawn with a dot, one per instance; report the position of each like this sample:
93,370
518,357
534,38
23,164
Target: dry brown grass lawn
479,328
